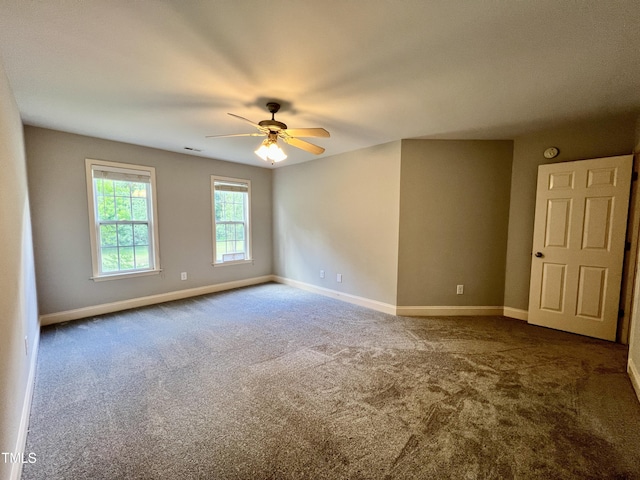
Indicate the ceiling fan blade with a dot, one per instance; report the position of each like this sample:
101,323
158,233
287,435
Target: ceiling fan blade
309,147
259,127
306,132
237,135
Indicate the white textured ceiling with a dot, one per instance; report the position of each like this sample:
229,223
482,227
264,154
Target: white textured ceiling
165,73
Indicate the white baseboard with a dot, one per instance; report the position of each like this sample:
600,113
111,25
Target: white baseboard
516,313
23,429
423,311
448,311
345,297
101,309
634,375
409,311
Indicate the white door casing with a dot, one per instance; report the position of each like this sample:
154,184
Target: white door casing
578,245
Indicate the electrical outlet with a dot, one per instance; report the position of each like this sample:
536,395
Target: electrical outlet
339,278
321,273
183,276
459,289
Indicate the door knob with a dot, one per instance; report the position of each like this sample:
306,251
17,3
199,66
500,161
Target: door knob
539,254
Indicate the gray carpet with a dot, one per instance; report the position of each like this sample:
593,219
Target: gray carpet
271,382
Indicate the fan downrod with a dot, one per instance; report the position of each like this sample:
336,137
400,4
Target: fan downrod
273,125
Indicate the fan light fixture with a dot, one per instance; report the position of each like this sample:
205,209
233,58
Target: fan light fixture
269,149
272,129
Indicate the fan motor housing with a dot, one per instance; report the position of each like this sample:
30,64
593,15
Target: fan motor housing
273,125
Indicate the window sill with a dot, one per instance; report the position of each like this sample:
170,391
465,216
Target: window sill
118,276
236,262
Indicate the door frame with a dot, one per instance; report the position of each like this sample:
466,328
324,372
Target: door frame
627,287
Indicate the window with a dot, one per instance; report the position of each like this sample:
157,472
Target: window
231,229
124,235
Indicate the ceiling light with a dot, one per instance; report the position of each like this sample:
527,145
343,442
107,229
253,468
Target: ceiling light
269,150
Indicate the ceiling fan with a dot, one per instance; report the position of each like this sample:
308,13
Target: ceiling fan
272,129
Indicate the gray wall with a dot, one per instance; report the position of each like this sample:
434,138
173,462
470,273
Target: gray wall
18,308
454,208
340,214
577,141
56,166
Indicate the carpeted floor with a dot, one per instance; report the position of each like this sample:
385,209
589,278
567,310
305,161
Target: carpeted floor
271,382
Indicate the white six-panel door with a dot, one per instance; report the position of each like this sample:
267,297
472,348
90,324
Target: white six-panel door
578,245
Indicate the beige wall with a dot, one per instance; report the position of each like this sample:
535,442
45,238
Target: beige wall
577,141
454,208
340,214
56,165
18,309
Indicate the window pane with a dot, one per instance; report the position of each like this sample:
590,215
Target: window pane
142,257
123,188
141,235
230,239
139,190
109,187
221,233
108,236
106,208
217,200
99,185
126,258
139,208
231,232
103,187
123,208
125,235
225,212
109,258
238,212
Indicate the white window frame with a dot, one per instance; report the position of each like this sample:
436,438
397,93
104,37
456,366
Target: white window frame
247,220
92,165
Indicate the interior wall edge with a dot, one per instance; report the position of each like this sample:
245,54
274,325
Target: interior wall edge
101,309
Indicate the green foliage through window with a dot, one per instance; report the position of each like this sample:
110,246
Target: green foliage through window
231,208
122,222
